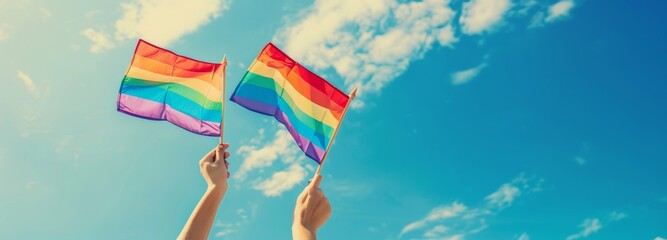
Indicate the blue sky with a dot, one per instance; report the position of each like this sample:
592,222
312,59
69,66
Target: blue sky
477,119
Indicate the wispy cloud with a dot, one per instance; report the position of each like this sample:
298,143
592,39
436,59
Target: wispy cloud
457,220
580,161
28,83
504,196
226,229
440,213
465,76
588,227
259,155
480,16
100,39
593,225
553,13
367,42
165,21
523,236
617,216
659,238
282,181
559,10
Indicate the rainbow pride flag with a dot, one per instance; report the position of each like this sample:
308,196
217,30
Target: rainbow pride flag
161,85
309,106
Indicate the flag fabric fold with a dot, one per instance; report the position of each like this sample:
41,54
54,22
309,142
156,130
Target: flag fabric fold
162,85
309,106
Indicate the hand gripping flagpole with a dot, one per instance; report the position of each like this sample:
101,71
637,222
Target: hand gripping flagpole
353,94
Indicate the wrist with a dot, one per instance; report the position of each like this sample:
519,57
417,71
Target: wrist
303,231
216,189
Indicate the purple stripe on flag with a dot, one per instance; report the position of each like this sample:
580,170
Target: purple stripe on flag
304,143
151,110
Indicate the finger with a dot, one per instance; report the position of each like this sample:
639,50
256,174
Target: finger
227,154
208,157
315,183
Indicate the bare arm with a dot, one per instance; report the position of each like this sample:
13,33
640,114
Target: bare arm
312,210
214,169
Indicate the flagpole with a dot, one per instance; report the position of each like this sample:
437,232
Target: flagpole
224,76
353,94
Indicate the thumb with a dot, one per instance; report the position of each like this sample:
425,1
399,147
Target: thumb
316,182
220,151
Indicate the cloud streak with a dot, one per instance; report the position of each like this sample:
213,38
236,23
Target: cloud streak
593,225
588,227
559,10
457,220
101,41
28,83
464,76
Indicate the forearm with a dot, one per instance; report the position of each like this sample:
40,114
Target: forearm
302,233
201,220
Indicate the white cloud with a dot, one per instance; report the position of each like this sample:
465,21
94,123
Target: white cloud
659,238
479,16
504,196
559,10
456,220
367,43
617,216
258,156
164,21
437,214
588,227
28,82
436,231
100,39
524,236
580,161
282,181
525,7
465,76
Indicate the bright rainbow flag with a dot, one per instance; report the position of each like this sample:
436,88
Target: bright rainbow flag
161,85
309,106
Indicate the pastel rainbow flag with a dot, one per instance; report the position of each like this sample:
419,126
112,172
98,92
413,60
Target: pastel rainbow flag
309,106
161,85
